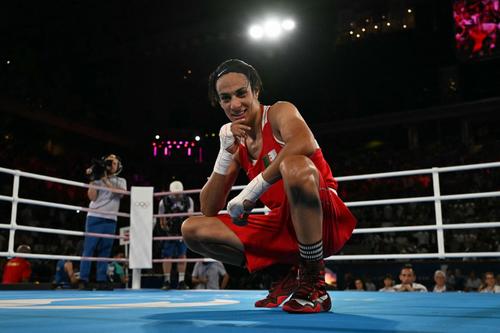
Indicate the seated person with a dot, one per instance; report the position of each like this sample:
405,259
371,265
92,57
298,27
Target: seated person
206,275
359,284
66,277
489,285
441,283
407,277
17,269
116,271
388,284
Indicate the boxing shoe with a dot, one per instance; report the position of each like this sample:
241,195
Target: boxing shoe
166,285
280,290
311,295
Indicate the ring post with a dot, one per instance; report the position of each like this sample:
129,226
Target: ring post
141,232
438,212
13,212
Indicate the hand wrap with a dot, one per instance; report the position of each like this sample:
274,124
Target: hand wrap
224,158
237,206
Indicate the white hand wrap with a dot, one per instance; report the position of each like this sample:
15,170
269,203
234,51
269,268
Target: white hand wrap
224,158
251,192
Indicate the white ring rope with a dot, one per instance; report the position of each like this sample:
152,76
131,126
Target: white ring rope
60,257
61,231
60,180
424,199
436,198
184,260
62,206
162,194
420,171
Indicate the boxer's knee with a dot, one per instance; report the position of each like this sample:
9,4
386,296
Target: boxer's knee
197,230
299,170
301,180
191,231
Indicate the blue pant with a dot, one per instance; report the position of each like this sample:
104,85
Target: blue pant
174,249
102,246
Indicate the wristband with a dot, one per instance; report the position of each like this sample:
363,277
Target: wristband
223,162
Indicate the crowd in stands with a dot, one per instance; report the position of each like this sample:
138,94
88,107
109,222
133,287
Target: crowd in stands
456,211
441,281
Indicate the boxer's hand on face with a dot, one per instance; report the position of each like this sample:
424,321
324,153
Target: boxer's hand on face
239,129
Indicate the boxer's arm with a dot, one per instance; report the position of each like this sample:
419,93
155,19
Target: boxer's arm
214,194
289,127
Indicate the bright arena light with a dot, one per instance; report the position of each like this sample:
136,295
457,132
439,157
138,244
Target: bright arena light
256,31
197,138
288,24
271,29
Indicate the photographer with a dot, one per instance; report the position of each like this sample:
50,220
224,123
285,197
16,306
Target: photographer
104,174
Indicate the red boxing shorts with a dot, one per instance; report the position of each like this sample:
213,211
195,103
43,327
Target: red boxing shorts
270,239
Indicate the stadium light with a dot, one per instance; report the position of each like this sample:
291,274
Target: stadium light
271,29
288,24
256,31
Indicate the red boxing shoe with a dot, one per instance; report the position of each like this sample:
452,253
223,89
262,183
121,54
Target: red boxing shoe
280,290
311,295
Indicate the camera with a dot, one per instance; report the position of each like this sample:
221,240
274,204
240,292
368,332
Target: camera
98,168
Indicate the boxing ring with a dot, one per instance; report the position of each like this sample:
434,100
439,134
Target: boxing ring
141,310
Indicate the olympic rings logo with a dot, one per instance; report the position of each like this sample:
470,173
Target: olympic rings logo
142,204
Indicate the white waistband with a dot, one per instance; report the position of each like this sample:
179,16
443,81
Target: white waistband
333,190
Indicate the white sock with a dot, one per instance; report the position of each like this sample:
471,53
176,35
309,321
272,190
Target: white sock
181,277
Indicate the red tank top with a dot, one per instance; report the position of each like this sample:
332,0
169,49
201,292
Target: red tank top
273,198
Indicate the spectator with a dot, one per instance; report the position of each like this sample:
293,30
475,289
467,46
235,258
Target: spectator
451,279
441,283
349,281
360,286
407,277
473,282
207,275
65,276
490,285
388,284
174,203
116,271
369,285
17,269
